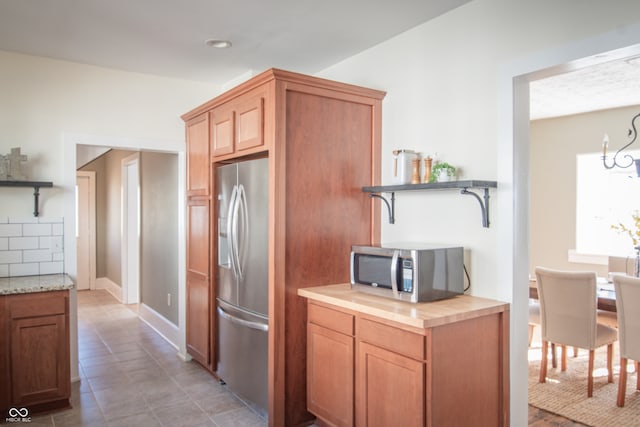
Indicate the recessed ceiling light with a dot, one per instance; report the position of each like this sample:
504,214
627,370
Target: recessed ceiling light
220,44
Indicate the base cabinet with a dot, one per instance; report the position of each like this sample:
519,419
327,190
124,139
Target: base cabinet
37,351
330,366
390,388
454,374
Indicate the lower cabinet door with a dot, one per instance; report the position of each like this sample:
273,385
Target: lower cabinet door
39,360
198,318
390,389
330,385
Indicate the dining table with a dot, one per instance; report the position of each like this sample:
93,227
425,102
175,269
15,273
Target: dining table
605,290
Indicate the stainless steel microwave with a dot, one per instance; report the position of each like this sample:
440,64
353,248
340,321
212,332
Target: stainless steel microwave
413,272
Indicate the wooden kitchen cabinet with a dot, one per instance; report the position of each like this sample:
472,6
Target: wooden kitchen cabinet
390,388
199,292
330,365
443,363
322,139
197,136
37,351
390,375
238,125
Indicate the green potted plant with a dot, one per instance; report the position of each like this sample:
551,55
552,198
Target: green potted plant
442,172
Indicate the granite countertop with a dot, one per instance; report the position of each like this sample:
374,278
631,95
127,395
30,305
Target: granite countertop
420,315
31,284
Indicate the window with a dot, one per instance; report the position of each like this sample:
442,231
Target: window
604,197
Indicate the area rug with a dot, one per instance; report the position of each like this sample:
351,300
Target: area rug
565,393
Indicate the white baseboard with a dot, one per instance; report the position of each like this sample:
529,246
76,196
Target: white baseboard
109,286
160,324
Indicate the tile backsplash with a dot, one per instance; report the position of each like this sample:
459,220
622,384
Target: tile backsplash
31,246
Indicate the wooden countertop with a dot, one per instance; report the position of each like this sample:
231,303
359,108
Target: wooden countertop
421,315
30,284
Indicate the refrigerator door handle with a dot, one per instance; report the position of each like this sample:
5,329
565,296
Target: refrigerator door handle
241,237
234,230
241,322
231,226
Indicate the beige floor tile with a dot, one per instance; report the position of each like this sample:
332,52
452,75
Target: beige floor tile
146,419
101,370
242,417
108,382
187,414
220,403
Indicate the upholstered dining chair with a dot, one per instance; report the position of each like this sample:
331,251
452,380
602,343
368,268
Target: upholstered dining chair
628,310
568,301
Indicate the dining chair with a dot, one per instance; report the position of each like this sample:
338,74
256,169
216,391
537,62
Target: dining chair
568,301
534,318
628,310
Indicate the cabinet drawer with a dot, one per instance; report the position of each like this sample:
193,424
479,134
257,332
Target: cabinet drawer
331,319
37,304
391,338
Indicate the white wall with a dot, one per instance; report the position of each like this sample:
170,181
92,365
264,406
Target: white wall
47,107
42,99
453,89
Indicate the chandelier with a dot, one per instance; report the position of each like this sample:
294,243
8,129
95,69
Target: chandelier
625,160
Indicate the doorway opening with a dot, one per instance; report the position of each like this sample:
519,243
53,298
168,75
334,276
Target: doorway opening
514,170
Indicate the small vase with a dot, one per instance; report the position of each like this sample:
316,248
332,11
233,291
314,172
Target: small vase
443,175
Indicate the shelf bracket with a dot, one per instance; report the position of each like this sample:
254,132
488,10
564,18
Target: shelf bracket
36,185
391,207
36,198
484,206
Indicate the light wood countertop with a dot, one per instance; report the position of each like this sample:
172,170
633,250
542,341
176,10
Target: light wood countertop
421,315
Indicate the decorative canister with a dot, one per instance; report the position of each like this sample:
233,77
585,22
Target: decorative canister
402,166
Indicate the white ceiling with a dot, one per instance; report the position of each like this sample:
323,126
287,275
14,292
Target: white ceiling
167,37
597,87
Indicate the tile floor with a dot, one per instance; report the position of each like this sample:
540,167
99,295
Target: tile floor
130,376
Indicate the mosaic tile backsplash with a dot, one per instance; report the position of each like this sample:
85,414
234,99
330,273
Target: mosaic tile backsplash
31,246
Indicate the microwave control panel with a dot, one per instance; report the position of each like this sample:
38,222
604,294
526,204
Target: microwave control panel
407,276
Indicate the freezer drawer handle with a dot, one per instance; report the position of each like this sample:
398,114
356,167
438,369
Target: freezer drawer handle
253,325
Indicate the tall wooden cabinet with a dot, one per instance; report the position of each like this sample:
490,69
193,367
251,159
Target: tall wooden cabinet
322,139
199,287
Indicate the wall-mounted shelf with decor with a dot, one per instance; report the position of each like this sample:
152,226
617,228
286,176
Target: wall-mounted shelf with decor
36,185
463,186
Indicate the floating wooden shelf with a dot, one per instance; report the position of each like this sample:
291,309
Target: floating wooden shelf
36,185
463,186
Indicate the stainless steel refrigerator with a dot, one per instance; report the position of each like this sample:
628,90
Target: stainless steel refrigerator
243,291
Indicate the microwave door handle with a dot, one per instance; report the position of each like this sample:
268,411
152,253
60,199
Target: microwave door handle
352,273
394,273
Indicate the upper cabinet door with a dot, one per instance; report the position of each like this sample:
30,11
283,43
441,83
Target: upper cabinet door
250,122
198,156
237,126
222,130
